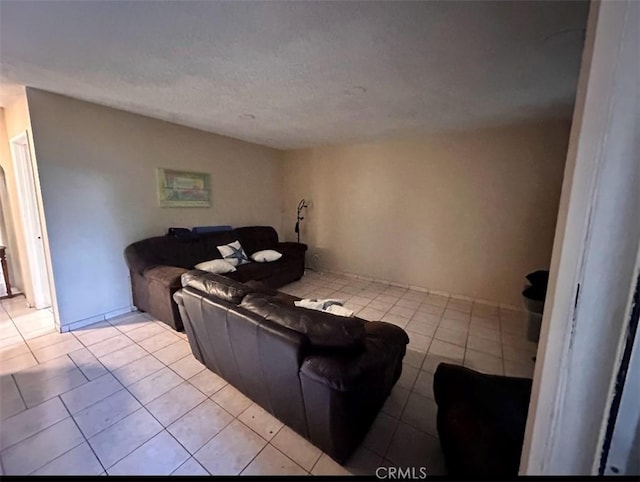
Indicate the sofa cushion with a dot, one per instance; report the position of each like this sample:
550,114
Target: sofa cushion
322,329
233,253
216,285
253,271
216,266
266,256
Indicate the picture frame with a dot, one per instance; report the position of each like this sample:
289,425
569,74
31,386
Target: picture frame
183,189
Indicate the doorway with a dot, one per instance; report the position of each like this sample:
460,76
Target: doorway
32,223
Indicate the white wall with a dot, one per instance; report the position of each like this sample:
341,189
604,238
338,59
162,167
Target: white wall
469,213
97,174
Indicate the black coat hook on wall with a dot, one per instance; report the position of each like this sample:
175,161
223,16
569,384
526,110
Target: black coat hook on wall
301,205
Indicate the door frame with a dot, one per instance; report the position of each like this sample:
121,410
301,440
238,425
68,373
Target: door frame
33,225
546,449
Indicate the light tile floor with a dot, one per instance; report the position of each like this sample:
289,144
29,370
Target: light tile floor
127,397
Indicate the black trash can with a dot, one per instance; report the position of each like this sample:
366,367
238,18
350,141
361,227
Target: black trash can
533,297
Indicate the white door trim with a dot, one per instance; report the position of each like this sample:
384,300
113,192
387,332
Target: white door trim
563,337
32,221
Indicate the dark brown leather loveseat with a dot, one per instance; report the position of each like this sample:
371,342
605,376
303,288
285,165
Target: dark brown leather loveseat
325,376
156,264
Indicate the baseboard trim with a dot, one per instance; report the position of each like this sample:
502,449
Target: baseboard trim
421,289
95,319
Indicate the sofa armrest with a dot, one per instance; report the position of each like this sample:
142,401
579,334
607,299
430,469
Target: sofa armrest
384,344
292,249
168,276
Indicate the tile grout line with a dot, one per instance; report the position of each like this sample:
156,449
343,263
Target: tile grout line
83,436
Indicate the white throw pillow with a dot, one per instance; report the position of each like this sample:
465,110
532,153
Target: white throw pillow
233,253
216,266
266,256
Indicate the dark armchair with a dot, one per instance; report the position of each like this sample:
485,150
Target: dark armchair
481,420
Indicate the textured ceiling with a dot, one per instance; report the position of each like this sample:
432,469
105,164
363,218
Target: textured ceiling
300,74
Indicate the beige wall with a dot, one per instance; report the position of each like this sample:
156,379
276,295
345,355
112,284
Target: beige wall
97,174
467,213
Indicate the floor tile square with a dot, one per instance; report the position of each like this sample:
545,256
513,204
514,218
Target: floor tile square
411,448
32,453
296,447
29,422
447,350
232,400
169,407
379,435
485,345
111,345
154,385
190,467
451,336
173,352
159,456
370,314
122,357
407,377
420,328
198,426
229,452
413,358
402,311
327,466
106,412
17,363
78,461
11,402
130,321
88,364
270,461
418,342
37,392
95,333
187,367
483,362
159,341
516,369
260,421
420,412
124,436
396,401
49,339
424,384
138,369
208,382
90,393
397,320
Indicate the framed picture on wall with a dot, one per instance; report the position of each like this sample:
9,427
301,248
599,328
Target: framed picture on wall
183,189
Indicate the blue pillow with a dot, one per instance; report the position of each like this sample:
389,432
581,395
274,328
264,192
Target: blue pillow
211,229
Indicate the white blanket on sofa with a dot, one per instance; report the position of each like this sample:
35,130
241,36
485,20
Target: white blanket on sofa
332,306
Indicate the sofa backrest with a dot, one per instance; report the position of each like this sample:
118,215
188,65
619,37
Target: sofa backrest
186,252
323,330
261,358
257,238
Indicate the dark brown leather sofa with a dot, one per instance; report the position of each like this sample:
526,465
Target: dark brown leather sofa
156,264
325,376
